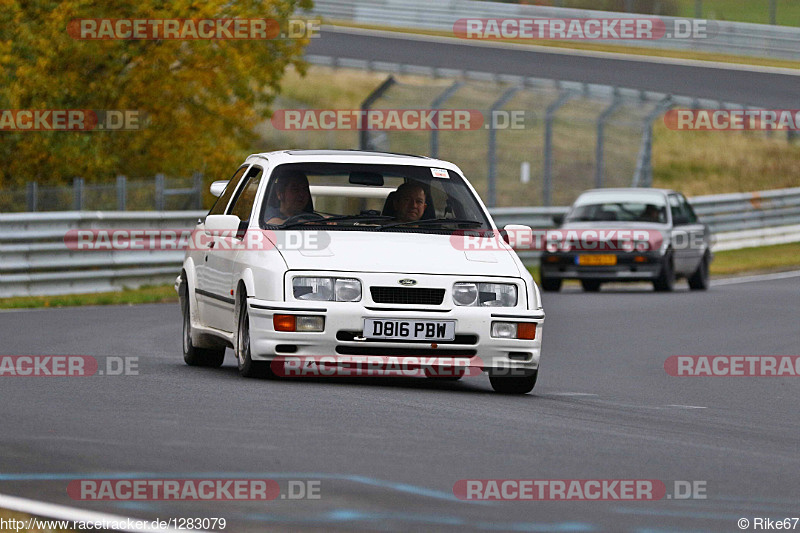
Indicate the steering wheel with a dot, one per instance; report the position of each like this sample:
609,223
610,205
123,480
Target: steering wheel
303,216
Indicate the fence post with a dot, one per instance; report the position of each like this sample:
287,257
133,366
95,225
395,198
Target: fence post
197,177
32,195
77,194
363,134
549,118
437,103
600,147
773,12
499,103
643,175
122,193
698,9
159,192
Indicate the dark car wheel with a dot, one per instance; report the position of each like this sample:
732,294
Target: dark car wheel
247,367
193,356
515,384
699,281
666,278
590,285
551,284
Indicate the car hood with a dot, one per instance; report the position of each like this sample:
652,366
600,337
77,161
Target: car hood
357,251
652,226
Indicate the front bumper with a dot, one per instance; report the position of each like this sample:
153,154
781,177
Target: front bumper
344,322
564,265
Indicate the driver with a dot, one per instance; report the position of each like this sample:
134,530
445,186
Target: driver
409,202
293,194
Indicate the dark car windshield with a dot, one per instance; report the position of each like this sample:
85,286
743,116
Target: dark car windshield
622,208
370,197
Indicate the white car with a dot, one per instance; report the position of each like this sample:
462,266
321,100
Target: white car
339,254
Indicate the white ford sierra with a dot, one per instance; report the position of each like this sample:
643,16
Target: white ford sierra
317,253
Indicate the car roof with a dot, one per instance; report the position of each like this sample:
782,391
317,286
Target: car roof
630,189
351,156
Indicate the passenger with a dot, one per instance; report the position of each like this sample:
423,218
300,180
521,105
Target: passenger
409,202
651,213
293,195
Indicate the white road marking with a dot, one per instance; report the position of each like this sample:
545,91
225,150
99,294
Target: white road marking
687,406
62,512
759,277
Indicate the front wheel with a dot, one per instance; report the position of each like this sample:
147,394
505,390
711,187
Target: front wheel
551,284
515,384
193,356
666,278
247,367
699,281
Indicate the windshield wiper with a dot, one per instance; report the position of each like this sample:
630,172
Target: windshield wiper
340,218
432,221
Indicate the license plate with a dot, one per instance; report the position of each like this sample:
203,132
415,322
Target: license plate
412,330
597,260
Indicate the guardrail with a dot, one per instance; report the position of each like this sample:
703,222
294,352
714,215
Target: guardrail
730,38
34,259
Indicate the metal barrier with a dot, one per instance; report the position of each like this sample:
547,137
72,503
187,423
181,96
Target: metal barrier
730,38
34,258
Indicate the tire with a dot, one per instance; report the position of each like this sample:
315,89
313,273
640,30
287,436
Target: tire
514,385
551,284
666,278
590,285
247,367
193,356
699,281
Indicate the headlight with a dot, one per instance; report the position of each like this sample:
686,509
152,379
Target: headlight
485,294
326,289
347,290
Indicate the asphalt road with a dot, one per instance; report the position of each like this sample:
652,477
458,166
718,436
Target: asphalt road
388,452
732,84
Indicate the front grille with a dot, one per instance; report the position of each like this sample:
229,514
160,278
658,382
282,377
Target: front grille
404,295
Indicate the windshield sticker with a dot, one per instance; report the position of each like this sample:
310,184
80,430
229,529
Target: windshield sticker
440,173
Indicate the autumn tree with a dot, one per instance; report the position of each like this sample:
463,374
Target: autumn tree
202,98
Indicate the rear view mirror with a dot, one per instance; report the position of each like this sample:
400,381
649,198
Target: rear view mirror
372,179
558,219
218,187
222,225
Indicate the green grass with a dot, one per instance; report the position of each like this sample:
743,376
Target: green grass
142,295
757,11
763,258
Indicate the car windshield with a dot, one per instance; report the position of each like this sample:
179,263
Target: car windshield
368,197
604,207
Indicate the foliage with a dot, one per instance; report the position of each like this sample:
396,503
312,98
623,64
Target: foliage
202,98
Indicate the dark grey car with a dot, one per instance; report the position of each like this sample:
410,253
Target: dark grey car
628,235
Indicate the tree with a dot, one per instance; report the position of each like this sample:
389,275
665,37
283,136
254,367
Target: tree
201,98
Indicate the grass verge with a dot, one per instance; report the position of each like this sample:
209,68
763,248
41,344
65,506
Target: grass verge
22,517
142,295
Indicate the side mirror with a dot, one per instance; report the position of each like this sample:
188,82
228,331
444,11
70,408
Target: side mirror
558,219
218,187
222,225
517,233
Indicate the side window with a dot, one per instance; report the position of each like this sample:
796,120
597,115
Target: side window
687,209
243,205
222,202
677,208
